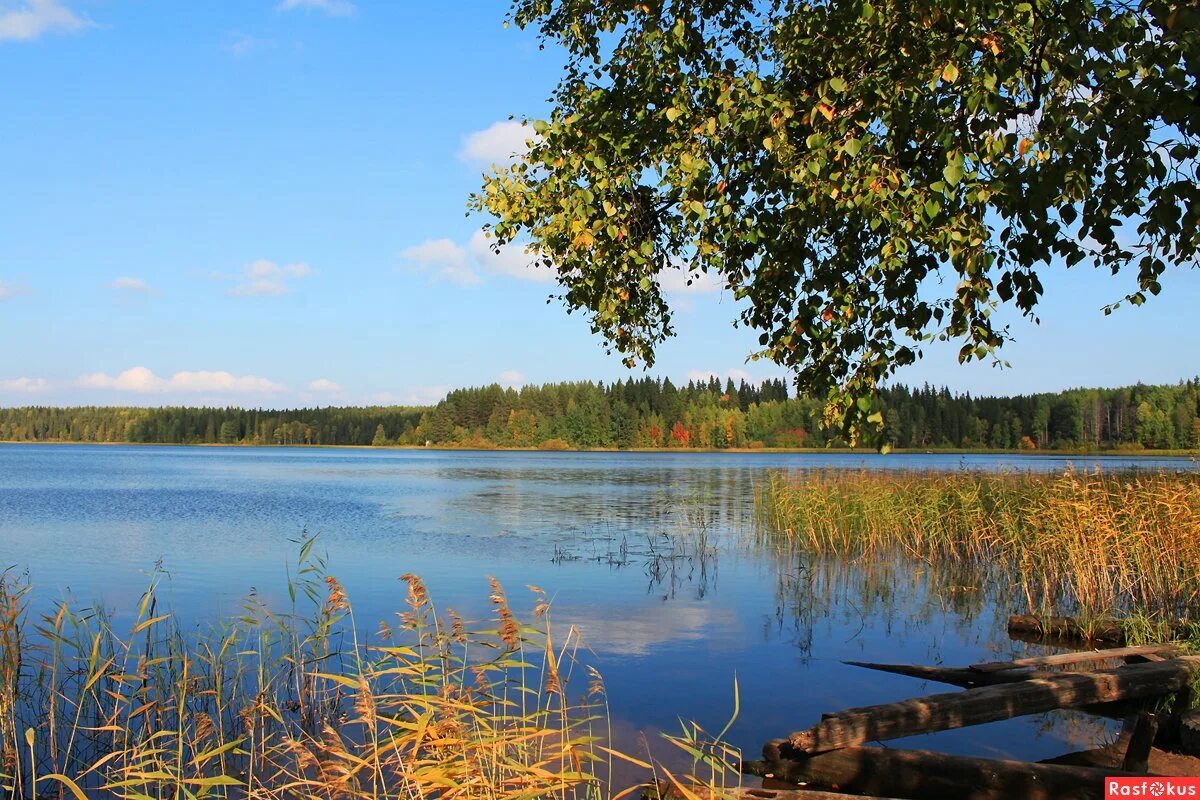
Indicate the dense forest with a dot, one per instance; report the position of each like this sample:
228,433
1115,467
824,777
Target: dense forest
649,413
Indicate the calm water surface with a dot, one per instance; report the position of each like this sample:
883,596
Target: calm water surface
593,529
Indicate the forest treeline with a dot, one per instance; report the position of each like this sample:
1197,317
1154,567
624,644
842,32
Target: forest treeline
651,413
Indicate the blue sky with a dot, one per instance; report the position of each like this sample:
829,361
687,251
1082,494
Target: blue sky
263,203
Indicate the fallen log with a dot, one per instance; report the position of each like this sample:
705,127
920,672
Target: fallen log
1148,652
940,712
665,790
1110,757
1189,732
956,676
922,775
1141,742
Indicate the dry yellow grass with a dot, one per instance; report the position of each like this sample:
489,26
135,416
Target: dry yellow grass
292,705
1082,542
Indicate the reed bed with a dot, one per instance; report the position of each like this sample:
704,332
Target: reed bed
1085,543
298,704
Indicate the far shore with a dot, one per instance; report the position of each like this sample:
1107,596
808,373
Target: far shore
1119,453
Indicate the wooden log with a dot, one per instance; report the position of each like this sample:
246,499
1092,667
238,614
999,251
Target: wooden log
1149,652
1189,732
1066,628
956,676
1110,758
921,775
665,790
940,712
1141,740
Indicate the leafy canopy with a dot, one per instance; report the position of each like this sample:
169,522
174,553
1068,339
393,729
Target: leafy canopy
862,176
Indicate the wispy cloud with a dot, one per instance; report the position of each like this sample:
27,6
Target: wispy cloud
736,375
500,143
442,258
10,290
679,280
415,396
324,386
511,379
27,20
133,286
334,8
265,278
140,380
510,260
447,260
23,385
242,44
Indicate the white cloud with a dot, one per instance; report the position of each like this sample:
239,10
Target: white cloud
265,278
23,385
334,8
445,259
416,396
674,280
500,143
511,379
140,380
137,285
10,290
27,20
241,44
736,375
324,385
513,261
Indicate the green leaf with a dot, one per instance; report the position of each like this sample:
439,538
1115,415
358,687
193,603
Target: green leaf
953,173
837,84
949,73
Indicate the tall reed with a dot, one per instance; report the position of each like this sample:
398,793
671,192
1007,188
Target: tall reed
298,703
1089,543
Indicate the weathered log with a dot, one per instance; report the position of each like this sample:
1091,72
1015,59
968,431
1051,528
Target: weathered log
664,790
992,703
1189,732
920,774
1109,758
1066,628
956,676
1141,740
1148,652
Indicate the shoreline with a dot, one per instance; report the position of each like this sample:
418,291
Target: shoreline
1109,453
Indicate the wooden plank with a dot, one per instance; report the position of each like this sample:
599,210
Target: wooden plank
940,712
925,775
1189,732
956,676
1110,758
1141,740
664,790
1147,651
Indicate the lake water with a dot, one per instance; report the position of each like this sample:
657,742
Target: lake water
592,529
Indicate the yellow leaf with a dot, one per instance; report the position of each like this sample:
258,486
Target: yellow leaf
70,784
623,757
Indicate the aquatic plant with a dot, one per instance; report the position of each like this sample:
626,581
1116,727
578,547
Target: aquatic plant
1087,543
297,704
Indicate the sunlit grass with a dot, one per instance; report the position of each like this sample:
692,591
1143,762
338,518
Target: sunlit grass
1088,543
301,704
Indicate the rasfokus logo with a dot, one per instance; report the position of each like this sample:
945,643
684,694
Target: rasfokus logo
1151,787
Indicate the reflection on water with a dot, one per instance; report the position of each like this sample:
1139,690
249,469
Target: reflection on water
653,556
